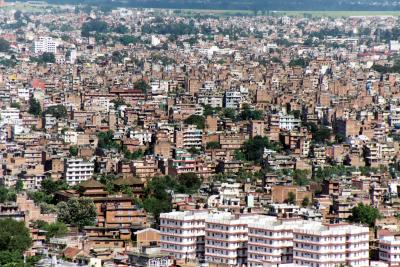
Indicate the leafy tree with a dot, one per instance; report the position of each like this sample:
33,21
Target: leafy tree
300,177
229,113
128,39
121,29
197,120
305,202
4,45
14,236
15,105
94,26
254,148
73,151
213,145
57,229
298,62
57,111
118,102
6,194
248,114
158,199
106,140
77,212
133,155
364,214
239,155
19,186
40,197
188,182
291,198
142,85
34,107
49,187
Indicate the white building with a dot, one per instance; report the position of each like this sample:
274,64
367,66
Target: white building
45,44
258,240
331,245
233,99
389,250
77,170
226,239
394,45
271,241
288,122
182,234
9,116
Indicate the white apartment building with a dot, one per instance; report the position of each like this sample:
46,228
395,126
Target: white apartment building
45,44
331,245
226,239
233,99
182,234
389,250
256,240
77,170
288,122
9,116
271,241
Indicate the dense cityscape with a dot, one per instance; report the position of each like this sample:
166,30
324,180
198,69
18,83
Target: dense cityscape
176,137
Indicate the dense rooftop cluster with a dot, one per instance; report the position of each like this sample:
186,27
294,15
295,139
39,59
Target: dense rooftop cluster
117,126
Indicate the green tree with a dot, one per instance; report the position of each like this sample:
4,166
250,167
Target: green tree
254,148
4,45
305,202
213,145
197,120
291,198
57,229
142,85
229,113
364,214
188,182
19,186
248,114
34,107
79,212
300,177
73,151
94,26
14,236
106,140
57,111
157,196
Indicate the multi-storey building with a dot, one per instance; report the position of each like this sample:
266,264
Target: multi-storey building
189,137
77,170
389,250
271,241
331,245
226,239
233,99
182,234
45,44
256,240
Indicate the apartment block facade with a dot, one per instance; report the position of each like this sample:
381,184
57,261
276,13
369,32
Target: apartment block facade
182,234
331,245
225,239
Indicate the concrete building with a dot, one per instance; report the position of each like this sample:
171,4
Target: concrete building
45,45
182,234
77,170
389,249
331,245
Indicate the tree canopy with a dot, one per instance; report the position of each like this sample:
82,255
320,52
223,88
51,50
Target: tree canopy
77,212
197,120
364,214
